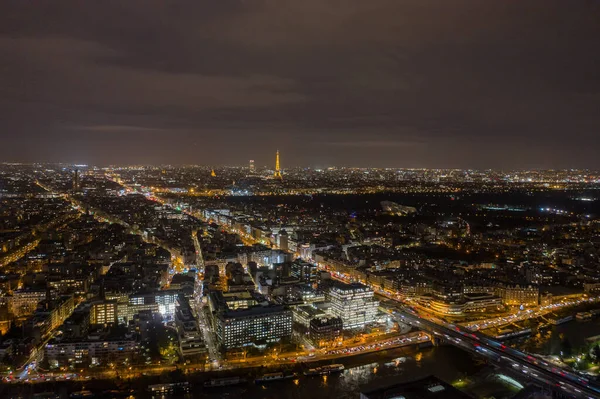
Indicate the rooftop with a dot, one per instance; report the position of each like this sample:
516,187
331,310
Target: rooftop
253,311
425,388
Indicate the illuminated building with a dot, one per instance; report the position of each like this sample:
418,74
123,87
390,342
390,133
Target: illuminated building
251,167
25,302
219,300
212,173
519,295
50,315
304,271
277,173
164,302
324,331
393,208
64,285
104,313
353,303
308,295
90,352
127,312
253,326
304,314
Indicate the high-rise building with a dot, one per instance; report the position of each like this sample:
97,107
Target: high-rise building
251,167
353,303
277,173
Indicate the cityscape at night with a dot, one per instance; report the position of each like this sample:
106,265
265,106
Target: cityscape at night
172,280
265,199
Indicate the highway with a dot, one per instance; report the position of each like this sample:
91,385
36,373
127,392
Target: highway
527,314
566,382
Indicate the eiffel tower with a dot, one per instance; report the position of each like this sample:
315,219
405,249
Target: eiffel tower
277,173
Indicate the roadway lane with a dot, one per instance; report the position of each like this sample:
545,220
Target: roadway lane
564,381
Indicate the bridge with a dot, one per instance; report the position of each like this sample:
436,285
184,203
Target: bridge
564,383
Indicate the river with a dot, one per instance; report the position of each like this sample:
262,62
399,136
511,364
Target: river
363,372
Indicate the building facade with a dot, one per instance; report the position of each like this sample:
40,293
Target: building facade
104,312
519,295
326,331
353,303
25,302
257,325
99,352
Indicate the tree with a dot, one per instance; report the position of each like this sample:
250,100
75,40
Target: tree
169,351
162,343
596,353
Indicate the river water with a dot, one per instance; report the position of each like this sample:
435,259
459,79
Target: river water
363,373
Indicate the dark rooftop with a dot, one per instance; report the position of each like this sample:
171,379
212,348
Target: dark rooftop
425,388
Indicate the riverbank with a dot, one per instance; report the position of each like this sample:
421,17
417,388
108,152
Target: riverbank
367,370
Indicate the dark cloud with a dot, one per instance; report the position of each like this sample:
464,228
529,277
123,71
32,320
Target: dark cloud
414,83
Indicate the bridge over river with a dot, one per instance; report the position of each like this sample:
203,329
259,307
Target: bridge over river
564,383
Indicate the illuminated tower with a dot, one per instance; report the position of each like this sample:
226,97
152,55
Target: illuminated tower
251,166
277,173
212,173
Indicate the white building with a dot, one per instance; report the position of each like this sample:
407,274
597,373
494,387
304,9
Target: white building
166,301
353,303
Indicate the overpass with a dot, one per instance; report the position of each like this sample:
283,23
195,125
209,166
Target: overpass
563,382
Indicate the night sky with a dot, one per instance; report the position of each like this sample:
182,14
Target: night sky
394,83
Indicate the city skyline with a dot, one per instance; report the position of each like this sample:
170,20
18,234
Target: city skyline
384,84
299,198
113,278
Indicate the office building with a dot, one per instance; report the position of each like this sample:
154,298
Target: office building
353,303
165,300
103,313
304,314
304,271
90,352
326,330
257,326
